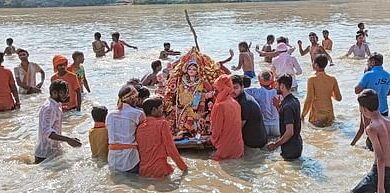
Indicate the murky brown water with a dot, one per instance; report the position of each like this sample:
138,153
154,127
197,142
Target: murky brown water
329,163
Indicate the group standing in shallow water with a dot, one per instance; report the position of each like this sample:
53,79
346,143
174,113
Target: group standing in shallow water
137,138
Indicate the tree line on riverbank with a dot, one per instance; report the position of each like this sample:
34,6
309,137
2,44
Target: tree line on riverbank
54,3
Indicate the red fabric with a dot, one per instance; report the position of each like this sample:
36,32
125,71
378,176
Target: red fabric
57,60
226,122
73,85
6,81
155,144
118,50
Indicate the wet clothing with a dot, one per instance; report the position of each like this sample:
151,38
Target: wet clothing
121,126
289,113
155,144
369,183
270,114
253,132
327,44
50,120
118,50
283,64
360,51
98,138
379,80
226,122
6,81
321,87
73,86
29,77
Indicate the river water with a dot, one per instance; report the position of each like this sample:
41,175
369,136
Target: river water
328,164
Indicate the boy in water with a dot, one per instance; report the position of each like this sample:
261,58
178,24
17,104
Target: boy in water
98,135
50,123
268,47
150,79
155,142
362,31
118,46
314,49
246,60
327,43
167,52
378,179
10,49
78,69
100,47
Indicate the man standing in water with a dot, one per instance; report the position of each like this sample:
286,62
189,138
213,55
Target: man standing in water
9,97
25,74
377,79
378,179
100,47
118,46
315,48
289,120
360,49
50,123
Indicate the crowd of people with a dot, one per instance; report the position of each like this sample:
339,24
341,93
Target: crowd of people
137,137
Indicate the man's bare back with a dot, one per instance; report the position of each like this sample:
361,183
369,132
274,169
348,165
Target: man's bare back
379,133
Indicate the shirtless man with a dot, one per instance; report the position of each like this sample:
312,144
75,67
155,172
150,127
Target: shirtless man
245,60
378,179
315,48
100,47
168,52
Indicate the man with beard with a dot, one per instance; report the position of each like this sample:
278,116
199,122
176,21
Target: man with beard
253,129
315,48
289,120
50,123
25,74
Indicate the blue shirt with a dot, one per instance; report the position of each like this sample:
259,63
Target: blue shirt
379,80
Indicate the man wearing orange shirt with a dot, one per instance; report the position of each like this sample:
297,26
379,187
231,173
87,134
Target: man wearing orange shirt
155,142
60,63
9,98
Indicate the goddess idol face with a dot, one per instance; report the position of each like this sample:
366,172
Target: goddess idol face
192,70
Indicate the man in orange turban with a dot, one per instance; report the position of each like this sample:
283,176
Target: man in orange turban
226,122
60,64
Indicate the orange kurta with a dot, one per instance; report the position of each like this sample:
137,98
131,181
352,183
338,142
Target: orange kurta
320,90
6,81
155,144
73,86
226,122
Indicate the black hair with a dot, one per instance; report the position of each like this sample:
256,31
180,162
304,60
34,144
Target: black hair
77,54
156,64
360,25
143,92
125,90
151,103
21,50
321,60
167,44
116,35
134,82
98,35
376,58
246,81
9,41
244,45
58,85
237,79
281,39
99,113
1,57
325,31
286,80
368,99
270,38
358,34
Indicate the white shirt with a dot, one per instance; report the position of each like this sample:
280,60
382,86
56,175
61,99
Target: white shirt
29,77
359,51
121,126
50,120
286,64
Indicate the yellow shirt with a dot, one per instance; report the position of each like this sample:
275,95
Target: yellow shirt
320,90
98,139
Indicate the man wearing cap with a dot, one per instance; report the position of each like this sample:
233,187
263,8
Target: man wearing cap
315,48
121,125
284,63
25,74
263,96
60,64
321,87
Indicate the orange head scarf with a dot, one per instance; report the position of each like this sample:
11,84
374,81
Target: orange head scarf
57,60
224,86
